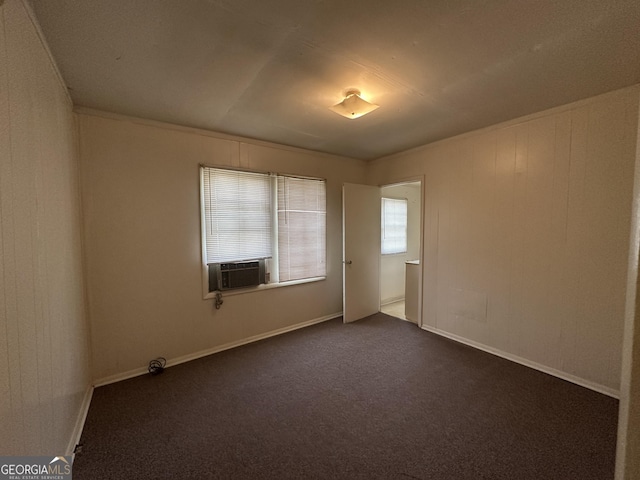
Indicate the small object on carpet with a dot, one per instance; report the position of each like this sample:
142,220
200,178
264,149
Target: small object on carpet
156,367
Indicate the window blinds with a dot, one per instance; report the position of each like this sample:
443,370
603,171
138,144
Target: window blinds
237,215
394,225
249,215
302,218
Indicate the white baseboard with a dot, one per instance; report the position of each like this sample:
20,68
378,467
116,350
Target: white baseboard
527,363
203,353
79,426
388,301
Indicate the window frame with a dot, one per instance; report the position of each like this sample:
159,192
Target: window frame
206,294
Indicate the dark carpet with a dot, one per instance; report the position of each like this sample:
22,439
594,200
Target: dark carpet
376,399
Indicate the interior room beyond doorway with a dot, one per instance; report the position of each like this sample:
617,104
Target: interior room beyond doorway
398,297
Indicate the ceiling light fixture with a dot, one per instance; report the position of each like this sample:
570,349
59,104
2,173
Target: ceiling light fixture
353,105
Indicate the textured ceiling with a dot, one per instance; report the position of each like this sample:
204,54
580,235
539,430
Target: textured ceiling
269,69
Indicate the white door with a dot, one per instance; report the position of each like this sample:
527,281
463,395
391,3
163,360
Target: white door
360,251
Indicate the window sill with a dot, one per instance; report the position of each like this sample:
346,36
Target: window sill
259,288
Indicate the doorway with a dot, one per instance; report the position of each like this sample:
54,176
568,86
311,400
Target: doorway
367,286
400,250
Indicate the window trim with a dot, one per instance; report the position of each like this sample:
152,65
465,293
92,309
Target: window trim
206,295
266,286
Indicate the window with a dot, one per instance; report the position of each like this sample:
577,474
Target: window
301,228
237,209
250,216
394,226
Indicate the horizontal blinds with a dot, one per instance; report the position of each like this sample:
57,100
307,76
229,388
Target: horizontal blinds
237,210
302,218
394,225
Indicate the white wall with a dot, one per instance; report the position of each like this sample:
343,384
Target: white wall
526,230
140,184
392,267
628,445
44,359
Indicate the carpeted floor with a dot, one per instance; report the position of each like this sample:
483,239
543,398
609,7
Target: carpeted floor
376,399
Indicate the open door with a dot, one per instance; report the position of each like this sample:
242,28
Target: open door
360,251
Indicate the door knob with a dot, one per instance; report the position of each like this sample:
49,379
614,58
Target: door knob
347,262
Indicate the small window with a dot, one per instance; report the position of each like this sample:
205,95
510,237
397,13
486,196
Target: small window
394,226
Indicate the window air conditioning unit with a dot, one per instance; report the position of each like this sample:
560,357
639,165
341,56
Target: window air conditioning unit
230,275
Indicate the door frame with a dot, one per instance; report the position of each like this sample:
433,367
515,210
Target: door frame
402,181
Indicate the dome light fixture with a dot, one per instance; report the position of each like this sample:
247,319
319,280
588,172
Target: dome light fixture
353,106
